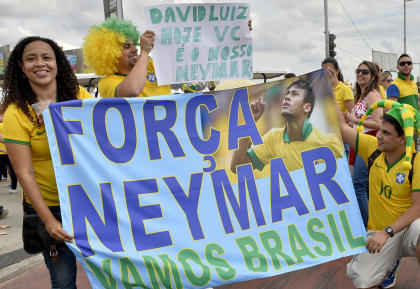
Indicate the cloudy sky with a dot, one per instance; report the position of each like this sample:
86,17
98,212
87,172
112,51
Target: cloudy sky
288,35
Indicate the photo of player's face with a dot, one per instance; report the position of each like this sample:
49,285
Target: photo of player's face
293,103
300,106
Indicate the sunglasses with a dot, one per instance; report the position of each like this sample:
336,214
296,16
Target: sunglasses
388,80
362,71
403,63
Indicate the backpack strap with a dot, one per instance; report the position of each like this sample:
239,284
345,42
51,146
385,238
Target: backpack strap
373,157
410,174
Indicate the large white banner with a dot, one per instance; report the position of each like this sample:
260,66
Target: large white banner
200,42
387,61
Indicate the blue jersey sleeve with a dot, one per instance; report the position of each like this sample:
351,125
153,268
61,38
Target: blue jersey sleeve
393,91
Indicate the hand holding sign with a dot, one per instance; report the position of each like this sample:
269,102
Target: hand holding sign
147,40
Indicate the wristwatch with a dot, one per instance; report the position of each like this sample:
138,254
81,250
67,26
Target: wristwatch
389,231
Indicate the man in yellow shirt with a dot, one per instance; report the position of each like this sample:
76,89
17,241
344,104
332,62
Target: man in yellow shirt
287,142
111,50
404,89
394,198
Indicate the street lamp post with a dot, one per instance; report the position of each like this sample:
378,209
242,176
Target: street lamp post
113,8
327,33
405,34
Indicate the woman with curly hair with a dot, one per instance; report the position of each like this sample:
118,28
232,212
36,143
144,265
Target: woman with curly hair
38,72
110,49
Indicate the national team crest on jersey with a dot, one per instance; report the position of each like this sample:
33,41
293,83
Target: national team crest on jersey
151,77
400,178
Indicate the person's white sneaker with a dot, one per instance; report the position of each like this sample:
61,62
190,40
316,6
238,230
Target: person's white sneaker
11,191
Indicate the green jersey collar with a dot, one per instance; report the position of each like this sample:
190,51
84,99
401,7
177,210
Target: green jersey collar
306,131
389,166
120,74
403,78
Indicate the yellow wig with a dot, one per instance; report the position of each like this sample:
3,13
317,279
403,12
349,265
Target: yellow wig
103,44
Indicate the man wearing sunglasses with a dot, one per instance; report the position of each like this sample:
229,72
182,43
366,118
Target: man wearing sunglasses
404,89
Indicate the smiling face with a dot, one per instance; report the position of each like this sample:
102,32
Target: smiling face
39,64
128,57
293,103
362,78
388,138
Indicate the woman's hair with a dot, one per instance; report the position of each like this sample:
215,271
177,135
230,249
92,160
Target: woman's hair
103,44
17,89
335,64
372,85
384,76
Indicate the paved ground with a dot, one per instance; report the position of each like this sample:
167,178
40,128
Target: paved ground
12,242
19,270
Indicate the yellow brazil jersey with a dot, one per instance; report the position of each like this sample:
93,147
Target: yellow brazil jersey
83,93
108,85
389,187
342,94
382,92
2,144
277,145
405,90
19,129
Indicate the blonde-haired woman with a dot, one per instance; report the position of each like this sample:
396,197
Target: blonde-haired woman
386,79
